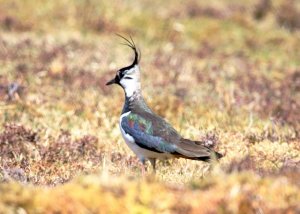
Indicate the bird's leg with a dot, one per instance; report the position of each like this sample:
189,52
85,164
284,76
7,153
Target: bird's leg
153,163
143,168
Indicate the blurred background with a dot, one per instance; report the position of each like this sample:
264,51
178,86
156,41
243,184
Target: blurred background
227,72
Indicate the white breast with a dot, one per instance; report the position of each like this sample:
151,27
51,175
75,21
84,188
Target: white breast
128,139
140,152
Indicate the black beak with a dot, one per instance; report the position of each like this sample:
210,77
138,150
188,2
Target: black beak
113,81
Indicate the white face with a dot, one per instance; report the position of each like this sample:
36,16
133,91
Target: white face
131,81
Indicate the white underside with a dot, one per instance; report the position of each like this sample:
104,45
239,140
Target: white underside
140,152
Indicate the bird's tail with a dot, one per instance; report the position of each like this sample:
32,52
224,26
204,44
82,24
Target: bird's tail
196,150
213,156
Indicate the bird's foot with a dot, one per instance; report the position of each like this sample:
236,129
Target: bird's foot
143,167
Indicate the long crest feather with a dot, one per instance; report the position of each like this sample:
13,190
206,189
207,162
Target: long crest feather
130,43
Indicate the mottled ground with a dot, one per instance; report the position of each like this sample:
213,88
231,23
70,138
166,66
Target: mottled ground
227,73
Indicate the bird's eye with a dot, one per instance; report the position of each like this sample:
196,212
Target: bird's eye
129,78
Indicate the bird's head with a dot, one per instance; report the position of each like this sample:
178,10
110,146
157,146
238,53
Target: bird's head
128,77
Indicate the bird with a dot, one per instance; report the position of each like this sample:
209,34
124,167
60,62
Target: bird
147,134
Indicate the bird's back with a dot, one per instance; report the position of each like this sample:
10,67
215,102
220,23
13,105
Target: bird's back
161,129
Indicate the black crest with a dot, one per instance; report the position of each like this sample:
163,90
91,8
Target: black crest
130,43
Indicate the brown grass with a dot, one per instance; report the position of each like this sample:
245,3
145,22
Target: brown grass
225,73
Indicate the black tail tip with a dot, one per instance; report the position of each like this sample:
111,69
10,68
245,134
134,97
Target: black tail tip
217,155
213,156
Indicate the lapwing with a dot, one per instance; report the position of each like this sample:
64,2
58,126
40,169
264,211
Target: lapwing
147,134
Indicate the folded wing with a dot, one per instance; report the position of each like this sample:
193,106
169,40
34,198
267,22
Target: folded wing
153,133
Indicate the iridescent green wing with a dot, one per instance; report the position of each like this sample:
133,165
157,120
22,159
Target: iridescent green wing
145,134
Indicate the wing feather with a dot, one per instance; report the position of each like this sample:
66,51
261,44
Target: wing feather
141,131
153,133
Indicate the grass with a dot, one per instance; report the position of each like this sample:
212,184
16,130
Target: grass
213,70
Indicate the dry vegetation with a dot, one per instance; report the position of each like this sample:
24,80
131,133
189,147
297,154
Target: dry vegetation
226,72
